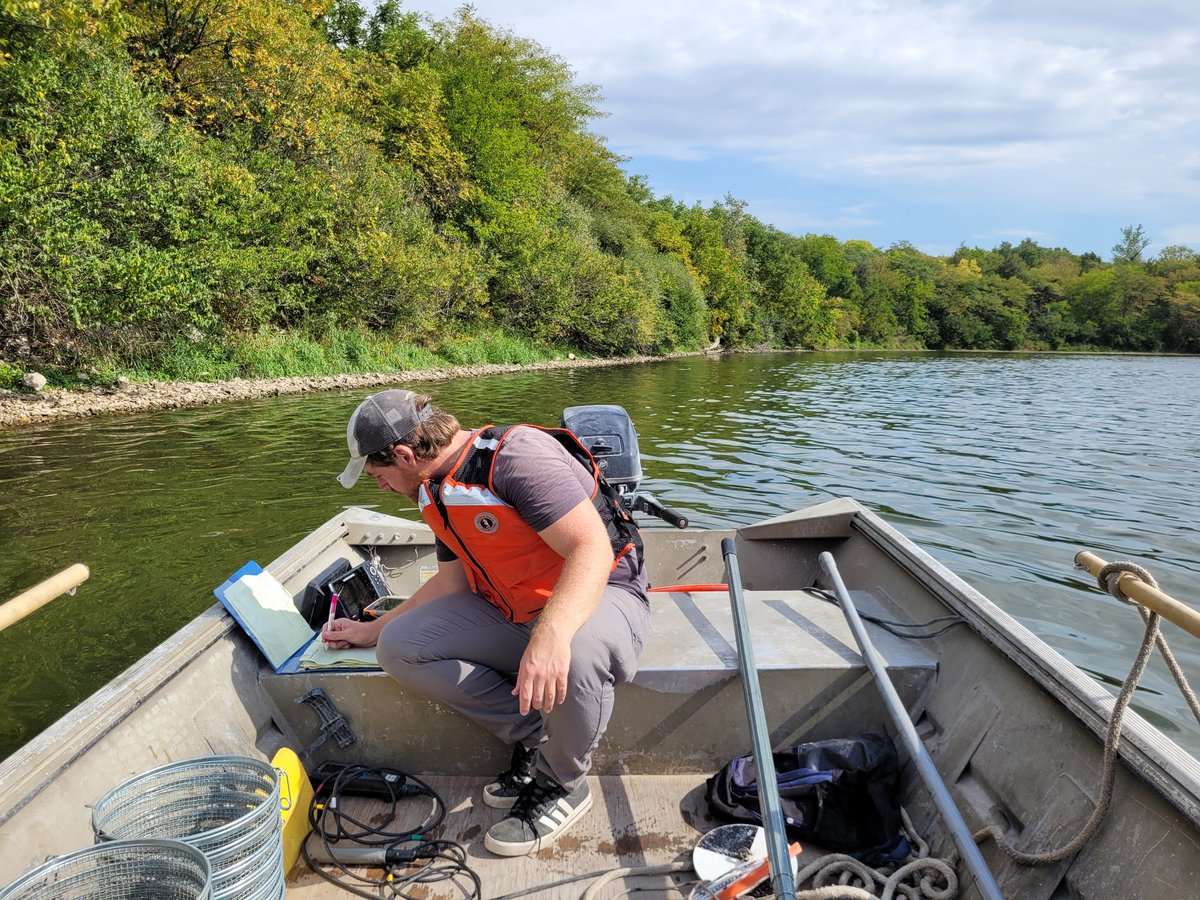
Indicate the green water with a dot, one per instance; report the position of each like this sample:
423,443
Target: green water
1002,466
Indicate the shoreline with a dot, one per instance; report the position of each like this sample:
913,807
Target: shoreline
19,408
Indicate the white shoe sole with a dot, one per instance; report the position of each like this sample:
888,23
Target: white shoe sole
525,847
498,802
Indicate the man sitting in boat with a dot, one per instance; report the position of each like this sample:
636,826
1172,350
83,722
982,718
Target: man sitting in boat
538,607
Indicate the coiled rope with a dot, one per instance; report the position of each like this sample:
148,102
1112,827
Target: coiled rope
834,877
923,877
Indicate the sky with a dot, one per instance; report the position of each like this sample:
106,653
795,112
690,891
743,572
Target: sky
937,123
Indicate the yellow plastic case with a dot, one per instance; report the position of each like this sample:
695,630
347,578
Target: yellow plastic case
295,796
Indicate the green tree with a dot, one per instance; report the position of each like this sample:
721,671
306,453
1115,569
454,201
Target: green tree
1050,283
795,308
1131,246
344,24
1182,332
720,273
828,263
1177,253
916,289
1122,307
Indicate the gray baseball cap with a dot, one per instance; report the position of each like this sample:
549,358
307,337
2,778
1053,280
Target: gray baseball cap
381,420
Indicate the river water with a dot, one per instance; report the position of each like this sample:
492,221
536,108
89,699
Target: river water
1000,465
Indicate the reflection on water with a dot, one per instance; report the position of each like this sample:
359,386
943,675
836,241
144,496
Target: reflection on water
1002,466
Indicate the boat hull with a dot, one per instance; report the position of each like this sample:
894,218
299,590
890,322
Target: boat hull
1013,728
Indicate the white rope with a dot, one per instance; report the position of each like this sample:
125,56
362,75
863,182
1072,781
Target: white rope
1109,578
838,876
922,877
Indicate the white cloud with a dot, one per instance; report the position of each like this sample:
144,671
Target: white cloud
688,78
1092,105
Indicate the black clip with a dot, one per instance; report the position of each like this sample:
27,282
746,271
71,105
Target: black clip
332,721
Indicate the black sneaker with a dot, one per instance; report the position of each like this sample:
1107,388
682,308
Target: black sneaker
503,792
544,810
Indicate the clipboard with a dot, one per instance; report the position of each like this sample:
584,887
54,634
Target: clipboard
267,613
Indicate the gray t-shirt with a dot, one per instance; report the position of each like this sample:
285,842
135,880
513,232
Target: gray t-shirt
536,475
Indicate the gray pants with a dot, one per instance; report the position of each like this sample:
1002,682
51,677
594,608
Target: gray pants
459,650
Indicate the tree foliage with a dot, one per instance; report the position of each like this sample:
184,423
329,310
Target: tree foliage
217,169
1131,246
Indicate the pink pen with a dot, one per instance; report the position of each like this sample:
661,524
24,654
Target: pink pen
332,611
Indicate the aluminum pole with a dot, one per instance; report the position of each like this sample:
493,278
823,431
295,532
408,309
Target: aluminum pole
929,773
782,880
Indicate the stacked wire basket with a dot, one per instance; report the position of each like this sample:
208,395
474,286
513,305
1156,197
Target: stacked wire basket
227,807
121,870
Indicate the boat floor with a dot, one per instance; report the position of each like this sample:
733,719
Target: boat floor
634,821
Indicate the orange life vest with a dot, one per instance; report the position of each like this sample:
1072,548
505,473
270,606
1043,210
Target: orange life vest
506,561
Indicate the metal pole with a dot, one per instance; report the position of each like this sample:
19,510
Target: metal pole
929,774
782,881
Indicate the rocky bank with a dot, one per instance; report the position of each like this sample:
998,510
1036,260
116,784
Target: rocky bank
29,407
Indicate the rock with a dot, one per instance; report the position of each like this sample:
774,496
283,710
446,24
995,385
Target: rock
193,334
35,381
20,407
83,376
570,356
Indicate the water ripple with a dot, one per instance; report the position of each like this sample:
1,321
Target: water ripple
1002,466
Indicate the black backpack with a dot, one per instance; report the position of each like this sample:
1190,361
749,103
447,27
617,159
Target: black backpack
843,794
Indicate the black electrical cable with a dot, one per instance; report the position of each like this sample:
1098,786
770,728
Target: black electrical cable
890,626
396,783
412,857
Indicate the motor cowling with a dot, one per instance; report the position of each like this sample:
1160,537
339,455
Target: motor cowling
607,431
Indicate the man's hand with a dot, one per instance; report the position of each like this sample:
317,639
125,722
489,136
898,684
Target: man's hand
342,633
542,677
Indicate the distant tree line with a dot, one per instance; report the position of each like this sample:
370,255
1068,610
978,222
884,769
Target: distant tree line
206,169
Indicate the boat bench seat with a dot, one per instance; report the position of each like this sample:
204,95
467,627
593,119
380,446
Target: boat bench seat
685,709
692,641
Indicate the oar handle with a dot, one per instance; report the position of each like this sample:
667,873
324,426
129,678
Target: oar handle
40,594
1148,596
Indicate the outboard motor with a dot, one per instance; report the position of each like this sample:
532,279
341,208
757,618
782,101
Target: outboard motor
607,431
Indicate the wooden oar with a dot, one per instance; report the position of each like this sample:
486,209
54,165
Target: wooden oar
40,594
1148,596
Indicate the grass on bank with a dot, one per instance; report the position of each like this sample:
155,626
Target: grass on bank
273,353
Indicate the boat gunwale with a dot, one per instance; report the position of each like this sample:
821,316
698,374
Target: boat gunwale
50,753
1166,766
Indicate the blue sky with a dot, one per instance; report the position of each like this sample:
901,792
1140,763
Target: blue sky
938,123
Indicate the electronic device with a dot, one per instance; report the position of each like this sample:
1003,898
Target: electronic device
357,587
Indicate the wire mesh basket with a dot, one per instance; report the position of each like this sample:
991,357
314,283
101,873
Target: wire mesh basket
225,806
119,870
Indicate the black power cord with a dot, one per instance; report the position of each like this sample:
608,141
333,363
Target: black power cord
894,627
408,856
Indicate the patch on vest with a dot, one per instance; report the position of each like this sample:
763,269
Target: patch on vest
486,523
